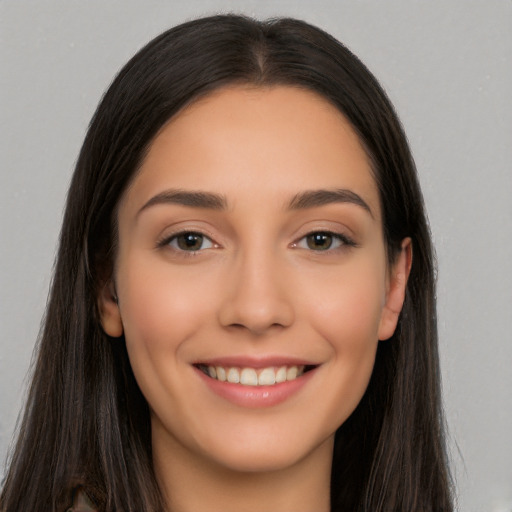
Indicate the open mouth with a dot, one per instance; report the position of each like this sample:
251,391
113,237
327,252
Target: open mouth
255,377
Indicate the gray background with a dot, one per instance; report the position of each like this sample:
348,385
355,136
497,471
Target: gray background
447,67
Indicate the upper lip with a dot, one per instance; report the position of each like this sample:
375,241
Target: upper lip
255,362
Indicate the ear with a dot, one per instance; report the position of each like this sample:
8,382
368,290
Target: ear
395,294
108,306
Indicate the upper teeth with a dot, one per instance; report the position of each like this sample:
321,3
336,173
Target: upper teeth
252,377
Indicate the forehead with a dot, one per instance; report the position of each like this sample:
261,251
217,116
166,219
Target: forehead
271,141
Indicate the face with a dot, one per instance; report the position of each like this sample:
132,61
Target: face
252,278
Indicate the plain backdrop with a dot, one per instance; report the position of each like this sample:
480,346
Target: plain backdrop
446,66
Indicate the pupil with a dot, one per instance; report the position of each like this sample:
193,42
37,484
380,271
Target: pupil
190,241
319,241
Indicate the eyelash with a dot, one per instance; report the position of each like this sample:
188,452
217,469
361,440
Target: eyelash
168,242
342,241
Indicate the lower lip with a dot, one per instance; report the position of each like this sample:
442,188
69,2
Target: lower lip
256,396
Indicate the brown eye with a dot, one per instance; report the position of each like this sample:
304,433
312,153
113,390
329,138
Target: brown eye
324,241
319,241
190,241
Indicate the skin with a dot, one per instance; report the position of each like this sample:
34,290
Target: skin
255,288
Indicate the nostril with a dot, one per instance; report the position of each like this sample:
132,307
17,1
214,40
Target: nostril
254,328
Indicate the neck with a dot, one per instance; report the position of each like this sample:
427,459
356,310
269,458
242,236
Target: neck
190,482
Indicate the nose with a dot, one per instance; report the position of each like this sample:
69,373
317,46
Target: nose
258,295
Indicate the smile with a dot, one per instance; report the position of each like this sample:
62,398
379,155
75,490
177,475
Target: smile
253,377
255,383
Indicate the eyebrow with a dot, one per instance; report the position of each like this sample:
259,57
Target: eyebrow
315,198
193,199
212,201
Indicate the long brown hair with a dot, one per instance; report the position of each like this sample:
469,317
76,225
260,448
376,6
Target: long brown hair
86,422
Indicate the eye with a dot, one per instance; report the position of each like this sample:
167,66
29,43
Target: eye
324,241
189,241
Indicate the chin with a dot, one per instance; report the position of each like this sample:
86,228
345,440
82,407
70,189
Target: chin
269,456
261,463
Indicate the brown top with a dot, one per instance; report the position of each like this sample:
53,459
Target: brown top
82,503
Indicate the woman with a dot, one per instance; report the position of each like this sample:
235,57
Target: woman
243,309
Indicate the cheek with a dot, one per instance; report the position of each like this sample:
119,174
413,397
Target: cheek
160,308
157,298
347,315
347,312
